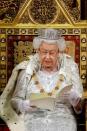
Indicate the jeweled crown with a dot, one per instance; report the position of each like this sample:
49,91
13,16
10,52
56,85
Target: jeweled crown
49,34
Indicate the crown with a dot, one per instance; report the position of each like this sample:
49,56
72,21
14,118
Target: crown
49,34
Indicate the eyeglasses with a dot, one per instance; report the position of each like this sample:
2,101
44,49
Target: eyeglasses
51,52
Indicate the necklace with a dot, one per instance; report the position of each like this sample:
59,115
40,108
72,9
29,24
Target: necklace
54,90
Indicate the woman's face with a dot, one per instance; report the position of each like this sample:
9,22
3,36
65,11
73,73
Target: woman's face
48,54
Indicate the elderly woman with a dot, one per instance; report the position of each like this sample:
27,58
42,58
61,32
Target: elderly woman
47,73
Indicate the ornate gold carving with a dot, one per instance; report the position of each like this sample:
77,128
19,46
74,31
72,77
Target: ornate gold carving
61,19
83,59
25,18
21,50
43,11
8,10
73,8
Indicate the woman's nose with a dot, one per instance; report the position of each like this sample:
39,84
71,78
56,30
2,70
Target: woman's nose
47,55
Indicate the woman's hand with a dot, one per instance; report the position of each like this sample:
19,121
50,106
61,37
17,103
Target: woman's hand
73,98
75,101
27,107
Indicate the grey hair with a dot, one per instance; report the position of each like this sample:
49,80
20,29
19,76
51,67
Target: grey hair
37,41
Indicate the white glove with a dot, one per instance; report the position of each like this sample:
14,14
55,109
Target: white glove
25,106
73,98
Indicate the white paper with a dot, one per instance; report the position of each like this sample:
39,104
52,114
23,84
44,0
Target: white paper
48,103
62,91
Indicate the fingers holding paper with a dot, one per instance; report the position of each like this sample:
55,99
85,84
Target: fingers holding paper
74,97
27,107
69,93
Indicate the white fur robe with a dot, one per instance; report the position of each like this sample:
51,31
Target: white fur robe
14,121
